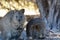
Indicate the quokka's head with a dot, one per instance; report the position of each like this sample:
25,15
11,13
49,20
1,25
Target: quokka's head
16,17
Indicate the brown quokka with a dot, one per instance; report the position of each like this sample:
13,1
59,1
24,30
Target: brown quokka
35,28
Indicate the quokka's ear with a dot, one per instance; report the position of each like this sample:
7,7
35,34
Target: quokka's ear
22,11
11,12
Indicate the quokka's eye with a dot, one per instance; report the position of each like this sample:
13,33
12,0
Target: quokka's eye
20,16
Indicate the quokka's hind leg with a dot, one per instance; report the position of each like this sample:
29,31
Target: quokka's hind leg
36,28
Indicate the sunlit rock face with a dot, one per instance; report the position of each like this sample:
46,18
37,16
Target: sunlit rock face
3,12
30,7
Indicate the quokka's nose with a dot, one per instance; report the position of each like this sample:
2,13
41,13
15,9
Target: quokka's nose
19,20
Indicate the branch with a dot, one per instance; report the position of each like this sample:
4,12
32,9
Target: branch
43,7
51,11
